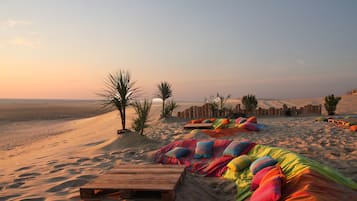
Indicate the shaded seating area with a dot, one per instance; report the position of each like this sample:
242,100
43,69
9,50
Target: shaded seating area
346,122
221,127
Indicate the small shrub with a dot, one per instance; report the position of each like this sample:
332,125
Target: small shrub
169,108
250,103
142,110
331,103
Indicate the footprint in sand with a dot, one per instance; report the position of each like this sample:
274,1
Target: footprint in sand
9,197
87,177
26,176
67,184
56,170
23,168
31,174
33,199
56,179
83,159
16,185
52,162
64,165
106,165
94,143
100,158
74,171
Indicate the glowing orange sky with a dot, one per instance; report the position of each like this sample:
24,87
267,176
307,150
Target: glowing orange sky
65,49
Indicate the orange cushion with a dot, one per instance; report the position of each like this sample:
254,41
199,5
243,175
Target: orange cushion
196,121
225,121
252,119
353,128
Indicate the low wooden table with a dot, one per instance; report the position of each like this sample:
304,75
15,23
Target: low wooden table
135,178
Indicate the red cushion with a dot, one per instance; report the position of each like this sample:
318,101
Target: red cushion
258,177
252,119
270,190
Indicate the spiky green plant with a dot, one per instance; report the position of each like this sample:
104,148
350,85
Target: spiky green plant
119,93
331,103
170,107
142,110
164,92
250,103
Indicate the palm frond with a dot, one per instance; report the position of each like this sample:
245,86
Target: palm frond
119,92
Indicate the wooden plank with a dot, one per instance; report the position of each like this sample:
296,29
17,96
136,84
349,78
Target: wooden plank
156,177
116,182
146,166
143,171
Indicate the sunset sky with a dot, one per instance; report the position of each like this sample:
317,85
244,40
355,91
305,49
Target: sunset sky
274,49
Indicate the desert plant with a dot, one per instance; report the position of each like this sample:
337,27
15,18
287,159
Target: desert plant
119,93
250,103
170,107
164,92
222,102
331,103
217,103
142,110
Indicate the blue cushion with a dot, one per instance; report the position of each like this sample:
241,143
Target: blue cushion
204,149
178,152
235,148
261,163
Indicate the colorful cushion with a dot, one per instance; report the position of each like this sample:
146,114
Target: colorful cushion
353,128
178,152
252,119
240,120
218,163
249,126
239,163
261,163
207,121
235,148
269,190
196,121
222,123
258,177
204,149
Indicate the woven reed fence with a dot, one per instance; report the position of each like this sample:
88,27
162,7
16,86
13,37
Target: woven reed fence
206,111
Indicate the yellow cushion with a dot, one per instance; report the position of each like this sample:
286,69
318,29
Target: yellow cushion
239,163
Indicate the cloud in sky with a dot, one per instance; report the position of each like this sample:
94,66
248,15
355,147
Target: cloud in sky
15,23
24,42
18,37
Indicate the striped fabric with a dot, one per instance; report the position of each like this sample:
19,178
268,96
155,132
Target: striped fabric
261,163
239,163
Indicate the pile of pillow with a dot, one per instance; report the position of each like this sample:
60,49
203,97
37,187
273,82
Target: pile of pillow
267,179
178,152
267,176
204,149
221,123
249,124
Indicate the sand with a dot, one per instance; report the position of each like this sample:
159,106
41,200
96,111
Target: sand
50,159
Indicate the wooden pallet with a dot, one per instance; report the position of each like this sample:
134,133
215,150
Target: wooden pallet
128,179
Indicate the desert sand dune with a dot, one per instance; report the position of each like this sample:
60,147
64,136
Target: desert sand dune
50,160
